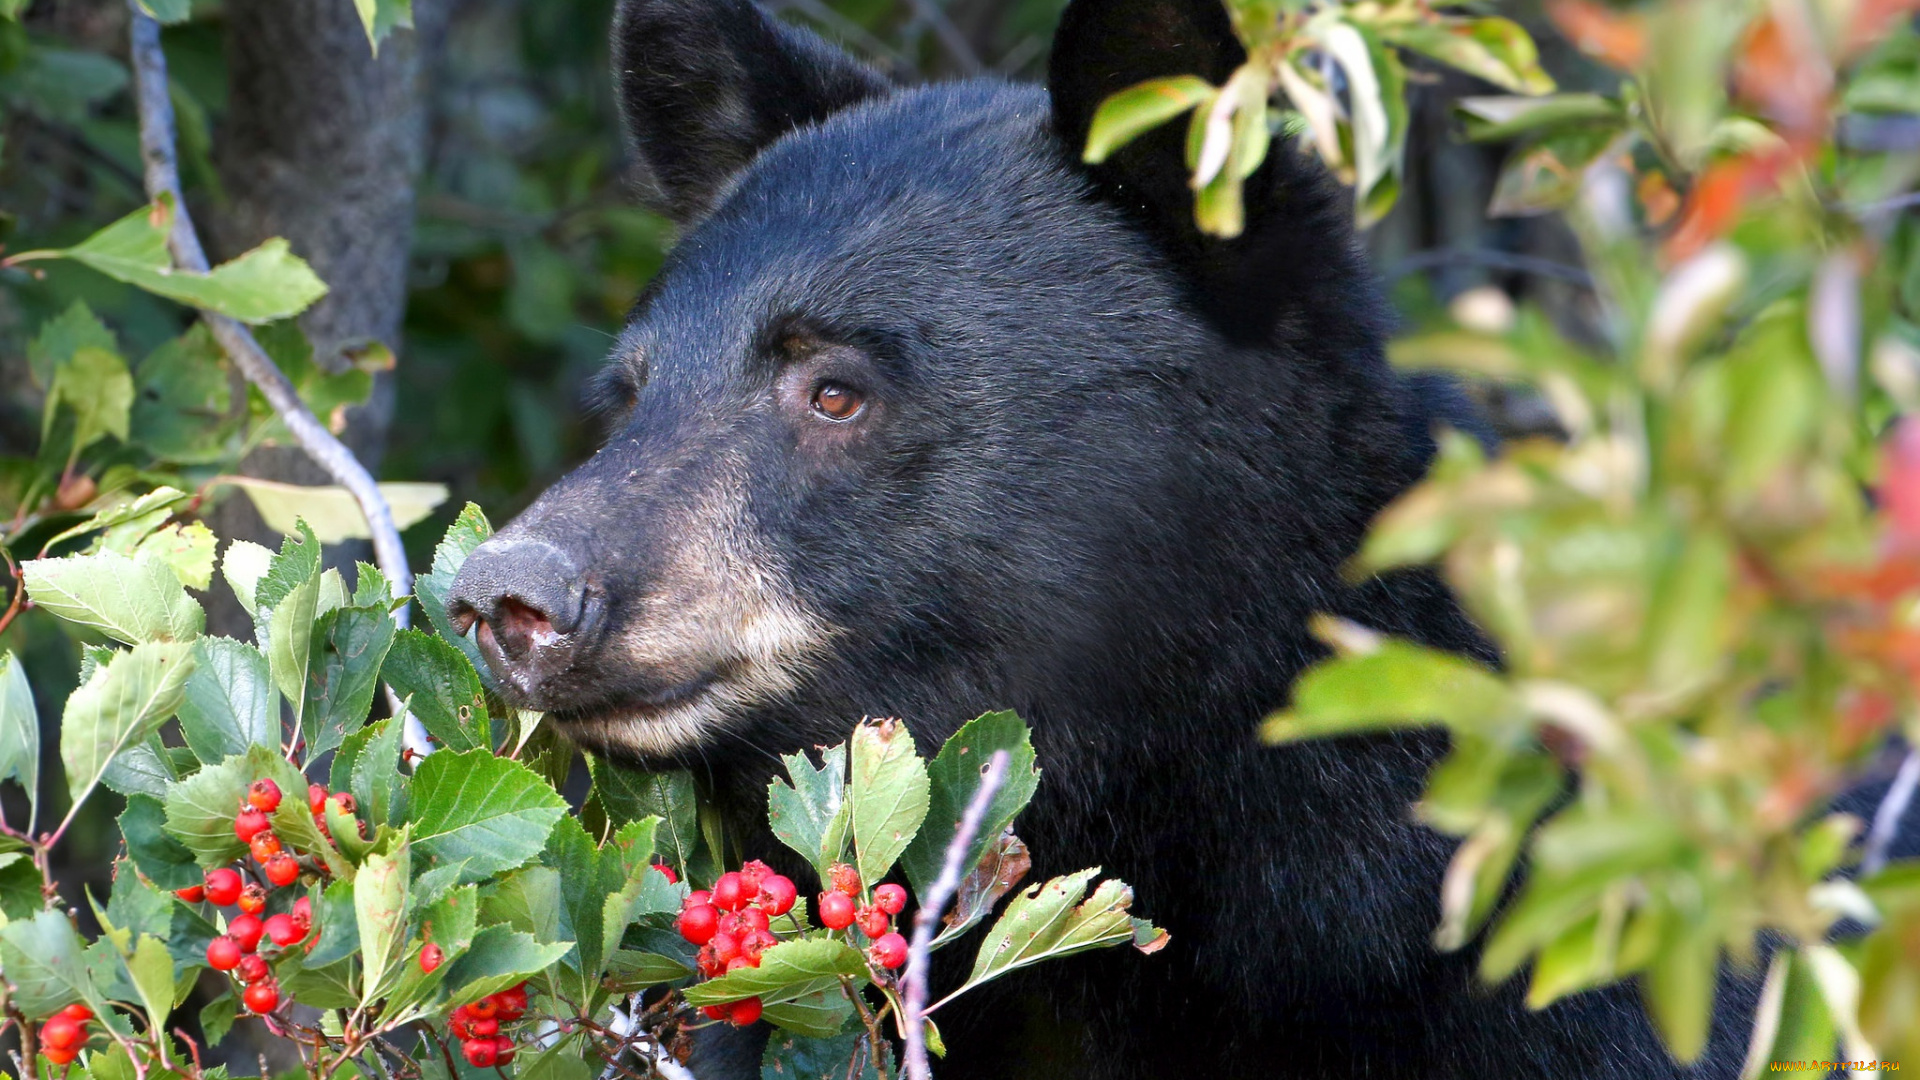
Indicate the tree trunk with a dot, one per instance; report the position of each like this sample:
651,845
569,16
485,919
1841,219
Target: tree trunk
323,143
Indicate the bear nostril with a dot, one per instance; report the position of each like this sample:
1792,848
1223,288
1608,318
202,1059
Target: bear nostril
522,624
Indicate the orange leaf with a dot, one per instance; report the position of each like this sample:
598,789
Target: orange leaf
1617,40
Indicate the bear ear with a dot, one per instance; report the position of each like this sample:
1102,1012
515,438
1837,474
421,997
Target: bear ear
1298,241
706,84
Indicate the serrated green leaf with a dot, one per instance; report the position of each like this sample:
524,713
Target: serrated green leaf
296,563
336,925
1050,920
182,401
200,809
244,566
630,970
887,795
217,1016
446,692
468,531
131,601
151,969
63,335
1397,685
382,17
809,813
380,911
123,703
143,768
231,704
954,776
186,549
819,1015
97,386
491,813
262,285
527,900
627,794
372,773
797,1057
788,971
43,961
159,857
343,672
19,728
499,957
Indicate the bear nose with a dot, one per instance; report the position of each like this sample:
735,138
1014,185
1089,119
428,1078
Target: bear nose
528,602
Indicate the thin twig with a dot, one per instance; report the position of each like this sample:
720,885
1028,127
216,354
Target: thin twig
163,180
920,952
1886,820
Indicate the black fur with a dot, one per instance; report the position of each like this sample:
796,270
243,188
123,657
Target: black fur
1110,469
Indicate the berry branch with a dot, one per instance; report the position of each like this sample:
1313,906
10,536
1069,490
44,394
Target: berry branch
920,952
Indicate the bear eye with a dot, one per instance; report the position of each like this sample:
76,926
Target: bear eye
837,401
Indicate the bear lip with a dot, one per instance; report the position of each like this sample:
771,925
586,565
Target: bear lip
637,705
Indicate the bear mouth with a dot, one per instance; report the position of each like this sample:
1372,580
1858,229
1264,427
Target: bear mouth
651,725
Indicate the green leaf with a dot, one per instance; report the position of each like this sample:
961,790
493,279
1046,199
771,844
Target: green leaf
129,600
336,920
788,971
1001,867
491,813
527,900
888,795
381,17
632,970
1679,985
1548,173
1133,112
43,962
810,814
1687,622
628,794
797,1057
332,510
446,692
498,958
182,400
217,1016
1396,685
1050,920
380,911
1494,119
63,335
152,970
19,728
168,11
343,671
124,702
296,563
372,772
245,566
160,858
289,644
585,882
200,809
265,284
954,775
1490,48
230,703
142,768
186,549
468,531
97,386
819,1015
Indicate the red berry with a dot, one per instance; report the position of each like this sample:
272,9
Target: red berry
725,946
59,1057
342,800
303,914
250,823
835,910
283,869
743,1012
715,1012
264,846
890,951
891,899
873,922
192,894
710,963
844,878
264,795
777,894
262,997
281,929
484,1009
223,953
667,872
511,1002
752,919
246,931
430,957
756,943
223,886
751,875
697,924
253,899
502,1049
61,1033
481,1053
77,1013
729,894
483,1028
696,898
738,962
253,967
317,798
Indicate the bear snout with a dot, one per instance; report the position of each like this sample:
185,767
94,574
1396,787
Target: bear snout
528,608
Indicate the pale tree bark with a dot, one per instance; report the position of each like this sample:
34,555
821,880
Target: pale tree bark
323,144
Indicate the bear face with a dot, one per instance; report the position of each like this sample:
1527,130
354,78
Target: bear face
924,418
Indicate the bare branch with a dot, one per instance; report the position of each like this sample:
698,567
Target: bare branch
1886,820
920,952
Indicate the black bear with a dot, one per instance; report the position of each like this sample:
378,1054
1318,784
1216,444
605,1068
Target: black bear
925,418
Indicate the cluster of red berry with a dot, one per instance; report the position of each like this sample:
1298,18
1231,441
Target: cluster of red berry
477,1026
237,949
64,1033
840,908
730,924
